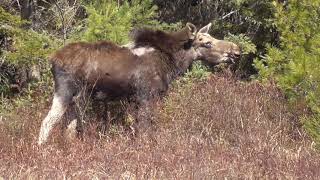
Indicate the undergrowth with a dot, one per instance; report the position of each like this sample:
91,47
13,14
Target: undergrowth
211,129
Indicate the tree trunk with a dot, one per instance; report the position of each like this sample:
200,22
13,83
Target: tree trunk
26,9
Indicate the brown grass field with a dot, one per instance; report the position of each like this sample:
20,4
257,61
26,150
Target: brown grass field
218,129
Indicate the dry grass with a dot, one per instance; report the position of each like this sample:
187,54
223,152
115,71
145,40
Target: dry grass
216,129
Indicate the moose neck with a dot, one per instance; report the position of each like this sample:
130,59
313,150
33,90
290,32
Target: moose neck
183,59
176,46
166,42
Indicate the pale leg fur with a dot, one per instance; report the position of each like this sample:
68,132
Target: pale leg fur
55,114
71,131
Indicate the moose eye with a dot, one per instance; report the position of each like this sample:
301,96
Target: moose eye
207,45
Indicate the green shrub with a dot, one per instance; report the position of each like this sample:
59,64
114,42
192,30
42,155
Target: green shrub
198,72
8,28
248,48
312,126
295,64
24,49
244,42
30,48
109,21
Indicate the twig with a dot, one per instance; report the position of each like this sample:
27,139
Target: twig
62,21
229,14
232,12
19,4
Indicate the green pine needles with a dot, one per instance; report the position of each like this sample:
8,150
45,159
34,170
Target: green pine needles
110,21
295,65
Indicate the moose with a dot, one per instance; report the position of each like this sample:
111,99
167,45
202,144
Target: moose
141,71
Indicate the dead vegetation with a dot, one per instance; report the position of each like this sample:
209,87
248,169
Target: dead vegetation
220,128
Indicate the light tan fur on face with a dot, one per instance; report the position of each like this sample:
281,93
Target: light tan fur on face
213,50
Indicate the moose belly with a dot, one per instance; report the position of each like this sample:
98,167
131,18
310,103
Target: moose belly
112,88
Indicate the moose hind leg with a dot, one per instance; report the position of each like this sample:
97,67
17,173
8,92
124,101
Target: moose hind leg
58,108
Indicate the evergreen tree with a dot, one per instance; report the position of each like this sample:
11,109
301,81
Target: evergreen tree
21,49
109,20
246,22
295,64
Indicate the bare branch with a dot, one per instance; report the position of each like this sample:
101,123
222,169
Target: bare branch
229,14
18,3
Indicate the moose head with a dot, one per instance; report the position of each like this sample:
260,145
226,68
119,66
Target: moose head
214,51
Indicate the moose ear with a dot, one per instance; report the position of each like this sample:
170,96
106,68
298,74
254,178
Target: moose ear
205,29
192,29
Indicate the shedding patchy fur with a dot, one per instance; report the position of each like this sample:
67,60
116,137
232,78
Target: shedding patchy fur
123,72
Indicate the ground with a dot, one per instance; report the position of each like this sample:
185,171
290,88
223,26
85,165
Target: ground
213,129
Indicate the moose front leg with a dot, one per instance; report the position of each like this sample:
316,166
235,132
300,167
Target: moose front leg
145,112
144,116
148,90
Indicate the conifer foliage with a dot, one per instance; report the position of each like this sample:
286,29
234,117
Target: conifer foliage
295,64
108,20
21,49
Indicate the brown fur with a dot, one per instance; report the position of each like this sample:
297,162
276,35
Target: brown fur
75,56
166,42
112,68
118,72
